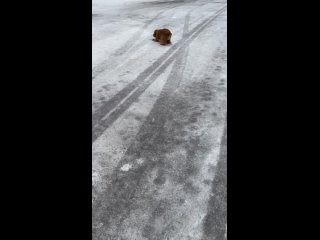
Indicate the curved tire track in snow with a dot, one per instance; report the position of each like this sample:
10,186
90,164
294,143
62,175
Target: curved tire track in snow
108,113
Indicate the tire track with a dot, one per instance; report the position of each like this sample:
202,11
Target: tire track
180,63
109,112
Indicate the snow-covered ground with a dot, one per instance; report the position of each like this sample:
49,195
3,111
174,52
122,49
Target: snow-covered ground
159,120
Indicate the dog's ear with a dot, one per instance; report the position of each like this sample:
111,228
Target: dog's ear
154,33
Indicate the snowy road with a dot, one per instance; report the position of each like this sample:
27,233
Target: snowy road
159,120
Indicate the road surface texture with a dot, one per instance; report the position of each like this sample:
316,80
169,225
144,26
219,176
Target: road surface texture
159,120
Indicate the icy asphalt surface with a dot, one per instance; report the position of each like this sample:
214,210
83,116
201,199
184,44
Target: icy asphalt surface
159,120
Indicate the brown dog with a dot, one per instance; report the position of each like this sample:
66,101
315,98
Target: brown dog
163,36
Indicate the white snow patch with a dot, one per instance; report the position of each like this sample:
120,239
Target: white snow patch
126,167
140,160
